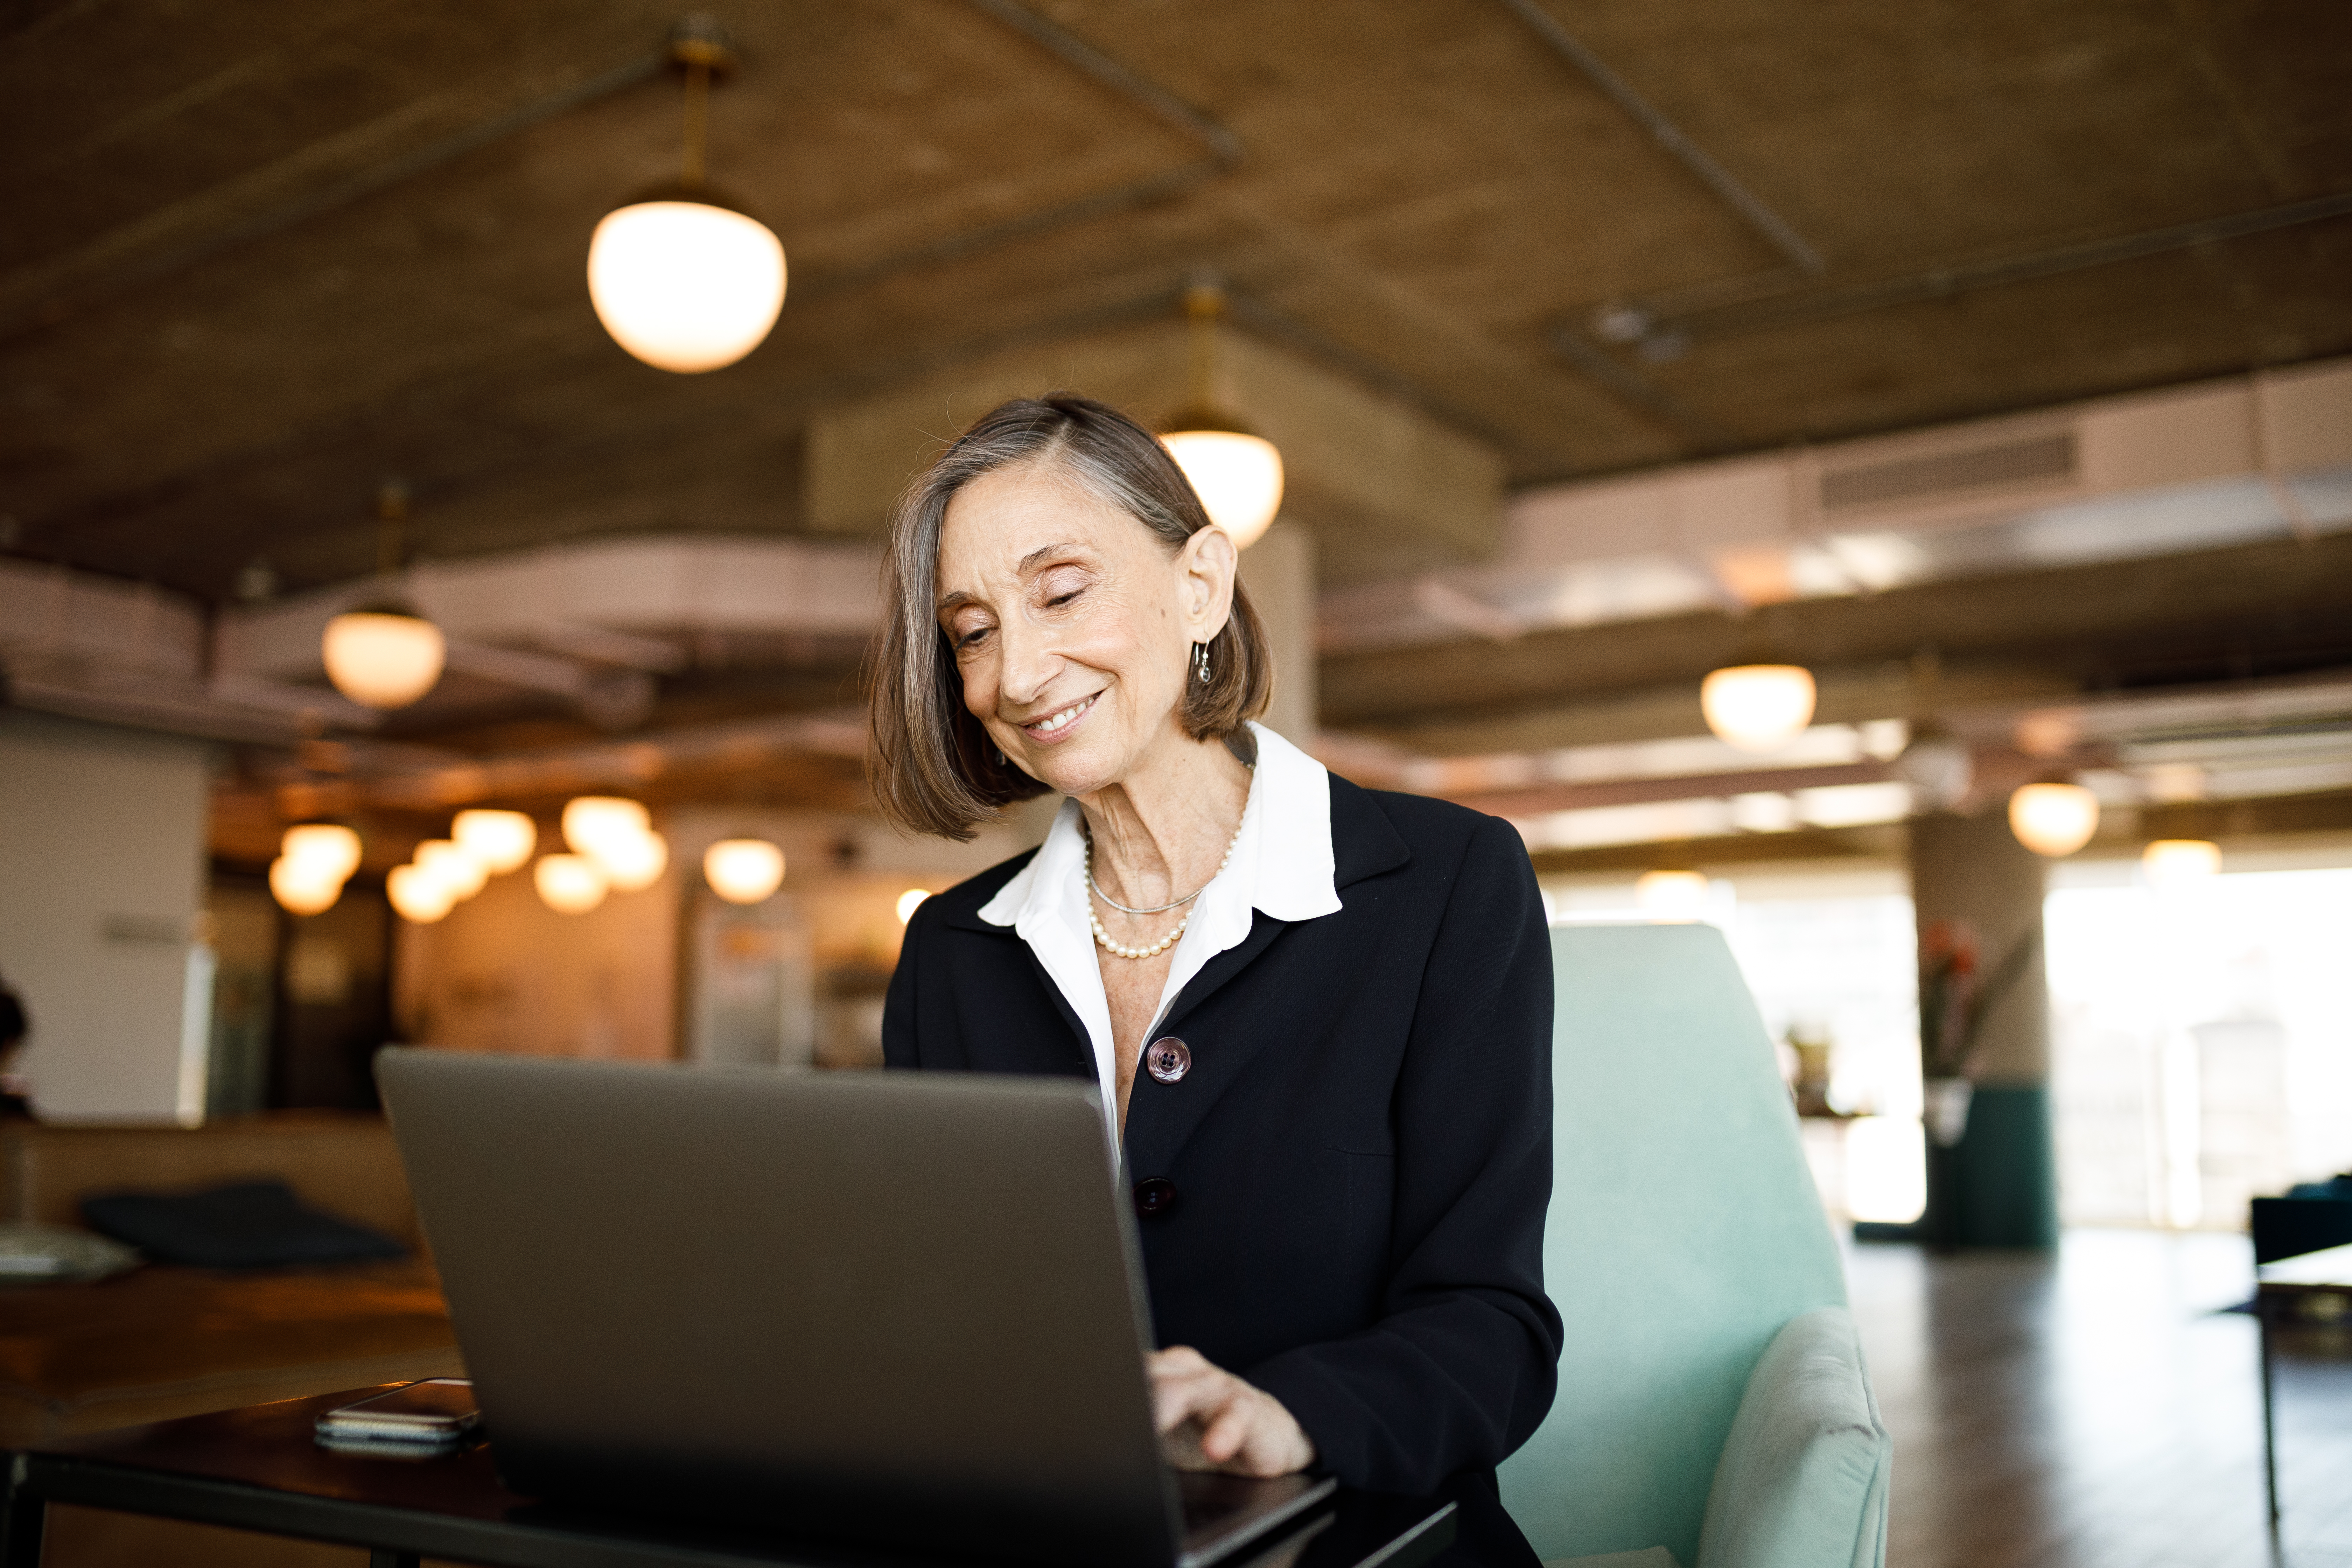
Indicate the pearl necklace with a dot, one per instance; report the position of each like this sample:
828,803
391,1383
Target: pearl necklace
1165,942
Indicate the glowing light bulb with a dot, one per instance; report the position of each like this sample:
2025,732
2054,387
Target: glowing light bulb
686,286
500,841
743,870
329,848
419,896
1757,707
2053,819
382,659
2175,862
453,866
1678,896
590,820
1237,477
568,884
632,862
909,901
300,886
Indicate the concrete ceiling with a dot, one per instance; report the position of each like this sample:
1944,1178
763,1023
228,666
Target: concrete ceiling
262,258
258,259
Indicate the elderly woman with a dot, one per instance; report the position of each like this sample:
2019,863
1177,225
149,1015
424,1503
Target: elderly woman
1320,1016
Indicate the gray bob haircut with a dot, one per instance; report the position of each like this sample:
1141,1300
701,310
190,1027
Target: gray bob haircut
934,769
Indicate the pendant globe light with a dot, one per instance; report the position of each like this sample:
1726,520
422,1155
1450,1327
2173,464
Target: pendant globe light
1758,707
1236,472
314,860
590,820
1671,897
453,866
500,841
303,887
419,896
634,863
682,276
2176,862
743,870
568,884
383,654
329,848
2054,818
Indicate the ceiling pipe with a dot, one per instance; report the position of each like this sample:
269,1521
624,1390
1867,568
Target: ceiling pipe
1670,137
1226,151
1781,310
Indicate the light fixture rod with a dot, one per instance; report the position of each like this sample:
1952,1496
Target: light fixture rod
700,50
697,116
392,519
1204,304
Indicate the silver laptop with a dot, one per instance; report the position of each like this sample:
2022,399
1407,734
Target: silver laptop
902,1309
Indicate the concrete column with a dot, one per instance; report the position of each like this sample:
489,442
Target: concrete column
1997,1186
1279,573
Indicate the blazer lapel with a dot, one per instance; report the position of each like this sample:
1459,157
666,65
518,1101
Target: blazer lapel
992,956
1363,842
1363,845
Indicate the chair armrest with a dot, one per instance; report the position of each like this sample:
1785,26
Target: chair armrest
1802,1482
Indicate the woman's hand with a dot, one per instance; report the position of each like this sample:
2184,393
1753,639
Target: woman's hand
1210,1420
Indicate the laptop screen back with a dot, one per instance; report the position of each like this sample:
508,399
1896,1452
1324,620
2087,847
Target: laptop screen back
893,1306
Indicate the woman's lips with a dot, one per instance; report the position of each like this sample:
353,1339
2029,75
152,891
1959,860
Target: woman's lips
1055,727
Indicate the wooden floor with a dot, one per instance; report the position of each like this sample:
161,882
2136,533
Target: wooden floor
2096,1409
2092,1410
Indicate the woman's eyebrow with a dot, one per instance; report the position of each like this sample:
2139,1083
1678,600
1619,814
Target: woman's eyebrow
1040,553
947,602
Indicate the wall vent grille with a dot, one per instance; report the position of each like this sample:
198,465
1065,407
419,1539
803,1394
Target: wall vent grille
2042,459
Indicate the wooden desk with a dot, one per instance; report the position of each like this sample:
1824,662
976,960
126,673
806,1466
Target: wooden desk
258,1469
2279,1287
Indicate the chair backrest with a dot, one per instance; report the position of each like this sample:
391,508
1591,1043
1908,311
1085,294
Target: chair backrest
1684,1231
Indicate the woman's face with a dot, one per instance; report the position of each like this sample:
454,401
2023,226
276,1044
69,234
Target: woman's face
1072,624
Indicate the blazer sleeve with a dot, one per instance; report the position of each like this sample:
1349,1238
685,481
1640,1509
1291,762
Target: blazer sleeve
898,1047
1461,1365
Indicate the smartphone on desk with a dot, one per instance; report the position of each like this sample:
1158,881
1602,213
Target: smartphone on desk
437,1415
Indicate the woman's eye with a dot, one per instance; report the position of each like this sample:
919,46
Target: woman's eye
971,638
1063,598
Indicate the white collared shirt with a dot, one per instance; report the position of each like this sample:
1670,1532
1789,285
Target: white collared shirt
1282,864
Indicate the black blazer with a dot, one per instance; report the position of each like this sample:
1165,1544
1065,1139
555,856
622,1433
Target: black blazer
1360,1154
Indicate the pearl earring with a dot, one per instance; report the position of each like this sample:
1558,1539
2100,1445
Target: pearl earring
1201,661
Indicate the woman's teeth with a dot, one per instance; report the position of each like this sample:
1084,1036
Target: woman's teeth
1062,721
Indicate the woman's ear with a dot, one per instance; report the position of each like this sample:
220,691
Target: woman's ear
1209,562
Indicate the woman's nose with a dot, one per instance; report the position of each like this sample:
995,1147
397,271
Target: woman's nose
1027,664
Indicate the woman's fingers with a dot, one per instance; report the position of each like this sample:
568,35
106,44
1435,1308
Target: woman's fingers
1229,1427
1184,1385
1207,1418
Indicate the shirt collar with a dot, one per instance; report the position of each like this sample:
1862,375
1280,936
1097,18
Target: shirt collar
1282,864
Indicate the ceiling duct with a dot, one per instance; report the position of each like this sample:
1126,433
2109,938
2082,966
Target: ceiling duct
2037,460
2208,466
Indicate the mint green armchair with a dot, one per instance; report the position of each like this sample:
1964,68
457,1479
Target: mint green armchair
1713,1410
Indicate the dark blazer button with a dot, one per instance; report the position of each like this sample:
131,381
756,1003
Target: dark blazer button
1168,1059
1154,1194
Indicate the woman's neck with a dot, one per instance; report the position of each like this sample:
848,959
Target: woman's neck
1160,833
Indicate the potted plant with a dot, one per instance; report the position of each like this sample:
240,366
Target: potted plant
1956,994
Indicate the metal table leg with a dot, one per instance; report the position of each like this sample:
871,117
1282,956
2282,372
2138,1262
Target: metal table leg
2263,1308
22,1514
